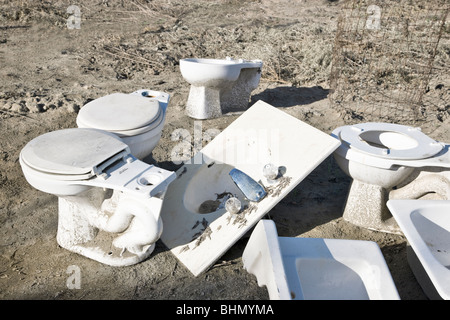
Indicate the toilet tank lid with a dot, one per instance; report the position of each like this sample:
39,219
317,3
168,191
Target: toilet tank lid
119,112
73,151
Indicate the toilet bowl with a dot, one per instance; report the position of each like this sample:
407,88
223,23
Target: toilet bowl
219,86
137,118
426,225
109,202
317,269
380,156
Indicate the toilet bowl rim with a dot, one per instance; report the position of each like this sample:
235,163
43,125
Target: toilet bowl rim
350,136
241,63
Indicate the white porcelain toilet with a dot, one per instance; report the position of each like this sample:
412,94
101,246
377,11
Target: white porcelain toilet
317,269
137,118
109,201
219,86
379,156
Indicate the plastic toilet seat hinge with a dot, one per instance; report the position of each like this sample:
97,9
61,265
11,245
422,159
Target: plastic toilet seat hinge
124,172
103,169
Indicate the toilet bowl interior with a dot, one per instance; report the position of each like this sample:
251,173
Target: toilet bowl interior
391,141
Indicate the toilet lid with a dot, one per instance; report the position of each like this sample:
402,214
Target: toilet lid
73,151
399,142
121,112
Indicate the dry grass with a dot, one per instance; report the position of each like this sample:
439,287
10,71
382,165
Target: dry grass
384,73
293,54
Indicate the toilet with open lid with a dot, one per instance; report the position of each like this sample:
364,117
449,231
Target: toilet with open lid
380,156
137,118
109,201
389,141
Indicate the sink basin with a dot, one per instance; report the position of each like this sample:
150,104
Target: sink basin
426,225
316,268
198,229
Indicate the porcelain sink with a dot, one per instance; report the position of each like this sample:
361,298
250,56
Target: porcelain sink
426,225
198,228
317,269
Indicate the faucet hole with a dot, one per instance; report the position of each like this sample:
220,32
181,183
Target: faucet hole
149,180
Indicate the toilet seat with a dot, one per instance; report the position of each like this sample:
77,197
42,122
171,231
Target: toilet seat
68,161
122,114
63,152
425,147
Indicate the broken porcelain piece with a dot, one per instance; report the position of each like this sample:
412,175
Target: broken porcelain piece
219,85
317,269
109,201
137,118
426,185
380,156
426,225
197,228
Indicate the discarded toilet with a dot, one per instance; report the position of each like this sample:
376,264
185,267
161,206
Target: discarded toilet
232,182
219,85
109,202
317,269
426,225
379,156
137,118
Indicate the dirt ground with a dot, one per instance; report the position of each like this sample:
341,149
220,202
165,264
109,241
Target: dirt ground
50,70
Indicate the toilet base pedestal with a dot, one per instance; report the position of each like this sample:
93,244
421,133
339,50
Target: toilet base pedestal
203,103
78,229
233,96
236,98
101,250
366,207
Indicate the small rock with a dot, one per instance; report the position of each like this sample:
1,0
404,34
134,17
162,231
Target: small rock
36,108
5,105
19,108
72,107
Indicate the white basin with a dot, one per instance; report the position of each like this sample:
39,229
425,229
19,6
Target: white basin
201,71
317,269
197,227
426,225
